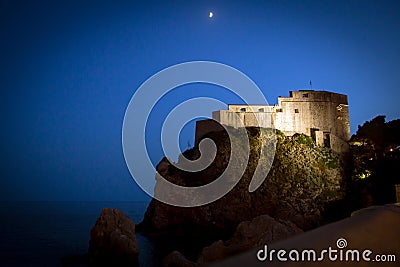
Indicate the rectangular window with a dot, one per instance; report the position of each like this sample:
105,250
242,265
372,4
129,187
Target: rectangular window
260,110
327,140
278,110
296,110
313,134
304,95
243,110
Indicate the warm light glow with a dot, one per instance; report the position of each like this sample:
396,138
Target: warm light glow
364,174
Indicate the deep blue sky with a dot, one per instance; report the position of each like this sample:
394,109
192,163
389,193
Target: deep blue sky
69,69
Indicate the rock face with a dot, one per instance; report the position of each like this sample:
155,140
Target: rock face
249,234
302,180
112,239
177,259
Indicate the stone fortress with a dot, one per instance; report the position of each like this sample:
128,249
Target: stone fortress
322,115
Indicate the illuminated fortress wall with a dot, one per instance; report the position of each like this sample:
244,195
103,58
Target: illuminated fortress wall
320,114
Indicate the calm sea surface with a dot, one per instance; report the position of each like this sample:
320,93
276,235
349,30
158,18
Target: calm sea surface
43,233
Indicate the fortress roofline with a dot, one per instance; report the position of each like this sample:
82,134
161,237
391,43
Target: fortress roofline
250,105
314,91
305,94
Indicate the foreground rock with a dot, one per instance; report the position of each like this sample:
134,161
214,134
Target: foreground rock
249,234
177,259
113,240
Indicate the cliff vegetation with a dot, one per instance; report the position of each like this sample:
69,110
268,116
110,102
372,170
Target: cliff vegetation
302,180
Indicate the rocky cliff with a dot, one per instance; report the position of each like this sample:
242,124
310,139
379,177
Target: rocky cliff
302,180
113,241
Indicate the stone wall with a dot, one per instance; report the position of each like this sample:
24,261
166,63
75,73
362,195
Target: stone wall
244,118
206,126
320,114
321,110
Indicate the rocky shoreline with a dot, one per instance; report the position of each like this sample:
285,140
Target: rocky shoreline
113,239
303,179
307,187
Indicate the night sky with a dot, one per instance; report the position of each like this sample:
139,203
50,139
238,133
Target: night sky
70,68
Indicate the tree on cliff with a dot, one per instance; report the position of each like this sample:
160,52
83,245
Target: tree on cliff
382,136
376,159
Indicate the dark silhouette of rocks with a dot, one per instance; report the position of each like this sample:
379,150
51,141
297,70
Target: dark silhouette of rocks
177,259
249,234
113,240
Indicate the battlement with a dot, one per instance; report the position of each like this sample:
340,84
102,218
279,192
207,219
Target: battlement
311,95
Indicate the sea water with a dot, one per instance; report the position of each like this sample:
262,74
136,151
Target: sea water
45,233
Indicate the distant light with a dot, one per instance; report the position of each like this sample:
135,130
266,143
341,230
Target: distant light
391,150
211,15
